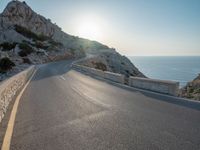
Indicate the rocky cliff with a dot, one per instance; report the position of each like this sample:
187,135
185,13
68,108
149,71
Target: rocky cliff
29,38
113,62
192,89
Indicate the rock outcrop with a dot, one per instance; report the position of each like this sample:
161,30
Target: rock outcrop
113,62
192,89
29,38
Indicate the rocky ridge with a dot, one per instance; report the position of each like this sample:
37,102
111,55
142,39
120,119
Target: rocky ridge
29,38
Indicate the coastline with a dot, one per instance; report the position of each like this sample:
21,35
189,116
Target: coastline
176,68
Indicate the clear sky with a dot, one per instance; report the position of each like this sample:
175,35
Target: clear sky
133,27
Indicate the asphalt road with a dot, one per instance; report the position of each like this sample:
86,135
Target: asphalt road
62,109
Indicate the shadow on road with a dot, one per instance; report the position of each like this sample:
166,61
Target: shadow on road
154,96
62,67
52,69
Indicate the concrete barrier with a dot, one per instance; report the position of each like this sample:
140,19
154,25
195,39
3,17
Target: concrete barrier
160,86
114,77
10,88
119,78
97,72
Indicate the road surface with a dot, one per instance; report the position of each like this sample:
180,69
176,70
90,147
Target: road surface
62,109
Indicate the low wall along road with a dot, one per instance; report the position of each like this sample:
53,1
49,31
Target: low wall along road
10,88
114,77
119,78
160,86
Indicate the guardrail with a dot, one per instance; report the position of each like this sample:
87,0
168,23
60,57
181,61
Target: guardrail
160,86
10,88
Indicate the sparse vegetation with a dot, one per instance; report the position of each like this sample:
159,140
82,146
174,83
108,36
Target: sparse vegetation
25,50
100,66
38,39
72,51
27,61
29,34
41,45
7,46
5,65
52,42
191,90
197,91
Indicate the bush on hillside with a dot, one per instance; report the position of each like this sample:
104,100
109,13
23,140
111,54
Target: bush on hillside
100,66
72,51
27,61
25,49
41,45
29,34
7,46
42,37
5,65
55,43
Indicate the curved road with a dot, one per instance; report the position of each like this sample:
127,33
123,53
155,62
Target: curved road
62,109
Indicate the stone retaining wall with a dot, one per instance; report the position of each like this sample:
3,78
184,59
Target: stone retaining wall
10,88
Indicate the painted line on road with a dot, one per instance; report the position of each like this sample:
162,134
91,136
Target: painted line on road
11,122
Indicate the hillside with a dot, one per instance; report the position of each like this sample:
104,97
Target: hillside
192,89
28,38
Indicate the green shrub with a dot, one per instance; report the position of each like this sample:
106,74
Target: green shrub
55,43
41,45
29,34
197,91
27,61
191,90
5,64
72,51
190,96
100,66
25,49
43,37
7,46
25,46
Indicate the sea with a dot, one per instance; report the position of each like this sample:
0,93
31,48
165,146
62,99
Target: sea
177,68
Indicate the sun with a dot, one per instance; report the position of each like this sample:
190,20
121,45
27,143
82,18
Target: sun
90,29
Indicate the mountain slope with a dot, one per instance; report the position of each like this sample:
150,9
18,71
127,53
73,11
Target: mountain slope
29,38
19,13
192,89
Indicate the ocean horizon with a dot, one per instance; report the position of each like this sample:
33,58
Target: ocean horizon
176,68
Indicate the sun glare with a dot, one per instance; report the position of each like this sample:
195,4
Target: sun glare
89,29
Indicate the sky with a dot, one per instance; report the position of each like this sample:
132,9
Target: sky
133,27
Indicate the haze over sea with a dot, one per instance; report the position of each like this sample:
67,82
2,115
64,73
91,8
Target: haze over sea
177,68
